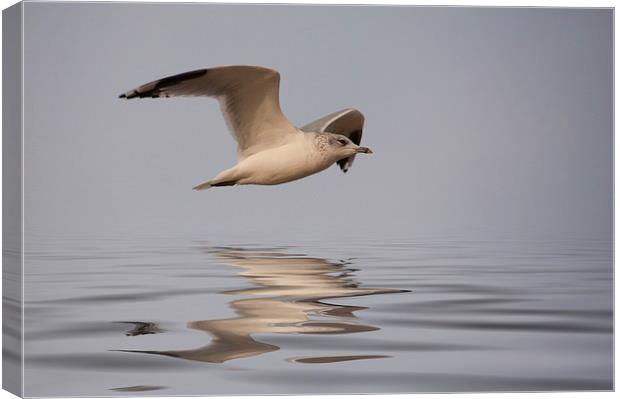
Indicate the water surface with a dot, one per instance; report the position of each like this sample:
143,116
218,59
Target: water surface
165,316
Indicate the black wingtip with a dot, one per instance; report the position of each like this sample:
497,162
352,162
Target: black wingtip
156,89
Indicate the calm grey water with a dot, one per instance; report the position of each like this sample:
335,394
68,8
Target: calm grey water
185,315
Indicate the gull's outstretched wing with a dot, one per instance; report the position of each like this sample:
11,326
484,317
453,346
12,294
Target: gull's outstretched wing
248,97
348,122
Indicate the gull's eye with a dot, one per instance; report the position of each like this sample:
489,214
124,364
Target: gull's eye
342,141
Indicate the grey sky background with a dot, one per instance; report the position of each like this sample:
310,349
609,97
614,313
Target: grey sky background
490,121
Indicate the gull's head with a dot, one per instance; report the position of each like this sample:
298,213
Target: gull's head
342,147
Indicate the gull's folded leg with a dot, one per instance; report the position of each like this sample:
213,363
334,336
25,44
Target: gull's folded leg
210,184
203,186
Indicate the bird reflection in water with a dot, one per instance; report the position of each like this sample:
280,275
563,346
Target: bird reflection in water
288,298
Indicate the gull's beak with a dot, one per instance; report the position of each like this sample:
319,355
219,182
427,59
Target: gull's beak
365,150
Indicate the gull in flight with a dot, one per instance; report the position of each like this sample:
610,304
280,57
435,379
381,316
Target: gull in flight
270,150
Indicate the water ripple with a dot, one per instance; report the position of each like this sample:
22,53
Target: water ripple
200,318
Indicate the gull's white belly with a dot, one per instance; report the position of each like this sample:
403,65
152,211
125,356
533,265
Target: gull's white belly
282,164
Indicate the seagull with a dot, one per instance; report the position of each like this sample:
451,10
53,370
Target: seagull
270,149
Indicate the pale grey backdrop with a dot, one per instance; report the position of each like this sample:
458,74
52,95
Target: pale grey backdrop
486,124
493,121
